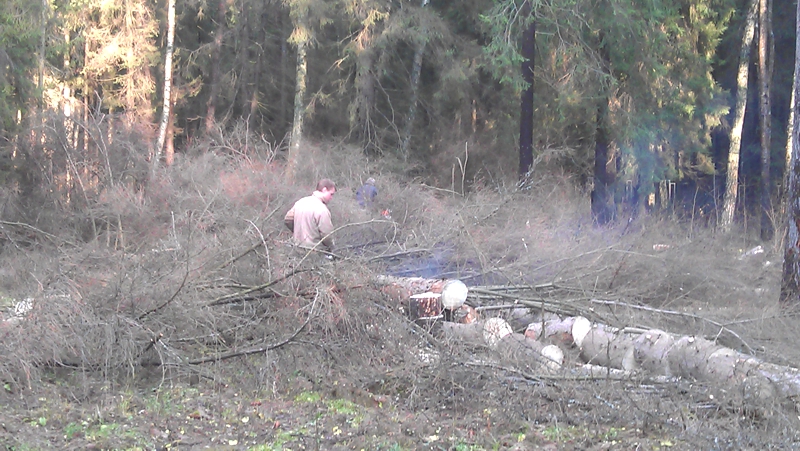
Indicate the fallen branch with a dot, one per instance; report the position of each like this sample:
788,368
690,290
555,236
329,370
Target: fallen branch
232,297
230,355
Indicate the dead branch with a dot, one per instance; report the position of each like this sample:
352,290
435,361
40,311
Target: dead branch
232,297
230,355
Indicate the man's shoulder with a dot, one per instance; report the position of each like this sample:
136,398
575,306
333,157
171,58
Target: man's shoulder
308,200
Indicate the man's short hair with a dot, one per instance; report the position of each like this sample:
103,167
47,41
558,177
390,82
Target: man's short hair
325,183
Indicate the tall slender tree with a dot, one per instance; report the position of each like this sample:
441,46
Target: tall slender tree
369,16
301,38
765,115
732,179
528,53
216,70
166,110
416,69
790,282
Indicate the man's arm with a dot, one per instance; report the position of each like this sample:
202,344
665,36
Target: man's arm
288,220
326,228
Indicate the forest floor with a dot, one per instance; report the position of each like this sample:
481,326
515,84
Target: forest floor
170,338
209,416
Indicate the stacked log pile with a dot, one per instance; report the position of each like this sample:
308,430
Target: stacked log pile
574,345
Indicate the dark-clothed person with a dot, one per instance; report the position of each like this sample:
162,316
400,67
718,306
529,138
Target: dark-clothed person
365,195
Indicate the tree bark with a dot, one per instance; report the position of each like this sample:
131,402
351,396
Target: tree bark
732,181
166,111
765,118
416,69
526,102
293,158
216,52
790,283
604,169
365,90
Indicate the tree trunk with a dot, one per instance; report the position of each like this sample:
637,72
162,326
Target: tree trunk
790,284
293,158
526,102
365,91
604,169
256,80
416,69
216,52
765,118
732,181
166,111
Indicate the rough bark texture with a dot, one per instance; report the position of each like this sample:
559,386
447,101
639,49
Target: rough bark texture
416,70
293,158
790,284
604,173
216,51
364,103
732,180
526,102
765,116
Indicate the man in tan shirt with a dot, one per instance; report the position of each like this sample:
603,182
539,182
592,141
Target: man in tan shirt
310,220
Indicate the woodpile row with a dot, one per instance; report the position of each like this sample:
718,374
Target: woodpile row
574,346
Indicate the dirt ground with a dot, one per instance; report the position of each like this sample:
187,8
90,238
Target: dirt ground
579,416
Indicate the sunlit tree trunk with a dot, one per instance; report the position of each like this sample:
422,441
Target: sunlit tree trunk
526,101
302,39
790,284
788,152
765,116
732,181
416,69
167,106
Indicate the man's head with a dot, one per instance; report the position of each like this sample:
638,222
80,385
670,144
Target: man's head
370,181
327,189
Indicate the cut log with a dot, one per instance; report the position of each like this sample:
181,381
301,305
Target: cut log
650,349
557,331
520,317
466,315
415,285
397,294
494,330
496,334
454,294
606,347
424,306
471,334
521,348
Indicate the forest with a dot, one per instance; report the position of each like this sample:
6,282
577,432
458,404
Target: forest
630,165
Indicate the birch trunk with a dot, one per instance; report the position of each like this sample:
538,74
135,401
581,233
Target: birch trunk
166,111
732,181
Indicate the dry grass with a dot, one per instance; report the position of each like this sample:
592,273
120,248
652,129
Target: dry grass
195,280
